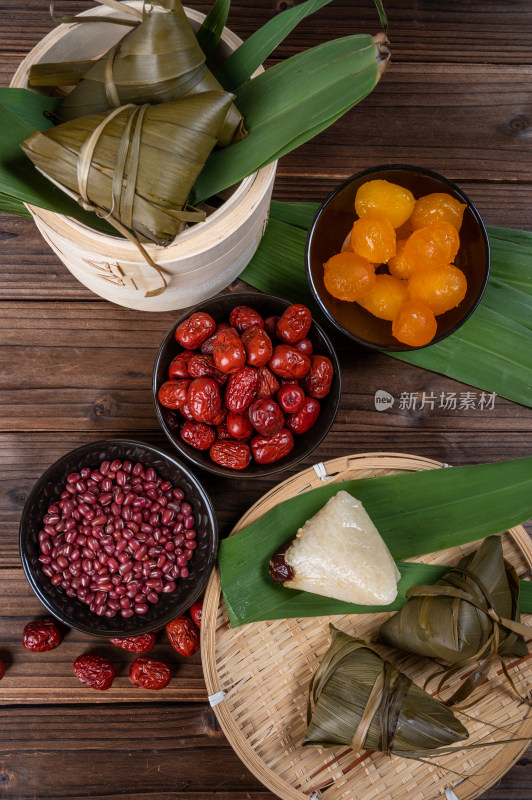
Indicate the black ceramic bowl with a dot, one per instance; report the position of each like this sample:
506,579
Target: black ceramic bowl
70,610
335,219
219,308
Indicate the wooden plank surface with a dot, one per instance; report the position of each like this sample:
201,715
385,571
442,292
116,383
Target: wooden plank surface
75,369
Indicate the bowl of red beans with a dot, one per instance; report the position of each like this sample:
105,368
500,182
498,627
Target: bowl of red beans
246,384
117,538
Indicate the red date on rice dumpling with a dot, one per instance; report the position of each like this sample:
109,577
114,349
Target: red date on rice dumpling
359,700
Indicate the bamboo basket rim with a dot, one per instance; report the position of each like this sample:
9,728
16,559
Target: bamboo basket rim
251,188
237,716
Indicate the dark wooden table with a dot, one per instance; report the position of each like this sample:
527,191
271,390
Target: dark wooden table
74,369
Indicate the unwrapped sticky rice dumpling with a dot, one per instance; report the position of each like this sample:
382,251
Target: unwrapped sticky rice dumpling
339,553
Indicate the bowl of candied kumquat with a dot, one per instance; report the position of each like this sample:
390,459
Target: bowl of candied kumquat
397,257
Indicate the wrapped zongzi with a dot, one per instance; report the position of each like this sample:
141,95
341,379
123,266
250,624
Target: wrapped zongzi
358,699
157,61
471,612
134,165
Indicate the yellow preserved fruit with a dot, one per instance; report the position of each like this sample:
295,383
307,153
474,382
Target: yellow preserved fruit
381,198
432,246
414,324
349,277
437,207
386,298
441,289
373,238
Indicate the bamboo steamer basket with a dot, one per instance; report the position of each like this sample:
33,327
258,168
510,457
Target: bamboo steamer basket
202,260
257,679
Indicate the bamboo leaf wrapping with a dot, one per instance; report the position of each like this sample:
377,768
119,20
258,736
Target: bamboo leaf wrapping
415,514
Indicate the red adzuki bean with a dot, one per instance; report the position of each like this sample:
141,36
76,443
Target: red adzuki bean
98,543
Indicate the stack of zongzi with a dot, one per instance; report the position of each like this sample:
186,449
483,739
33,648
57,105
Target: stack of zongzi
358,699
158,61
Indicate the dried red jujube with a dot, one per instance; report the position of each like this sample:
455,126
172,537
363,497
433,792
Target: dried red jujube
305,418
287,362
173,394
179,365
183,635
266,416
203,366
258,346
290,397
241,389
195,329
238,426
244,317
231,454
294,323
203,400
94,671
228,351
147,673
196,610
142,643
268,449
41,635
198,435
317,382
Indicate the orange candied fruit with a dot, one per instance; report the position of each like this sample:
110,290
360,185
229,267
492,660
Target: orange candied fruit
385,299
348,276
437,207
381,198
398,265
441,289
373,238
414,324
432,246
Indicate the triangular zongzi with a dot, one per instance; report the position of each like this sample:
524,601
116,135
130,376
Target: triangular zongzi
136,164
471,612
157,61
339,553
359,700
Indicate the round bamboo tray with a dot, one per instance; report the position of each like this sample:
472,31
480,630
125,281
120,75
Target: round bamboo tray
264,669
202,260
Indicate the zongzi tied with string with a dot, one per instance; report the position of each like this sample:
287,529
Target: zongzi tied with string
357,699
339,553
157,61
135,165
470,613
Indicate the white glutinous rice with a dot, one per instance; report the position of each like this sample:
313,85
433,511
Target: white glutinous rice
340,553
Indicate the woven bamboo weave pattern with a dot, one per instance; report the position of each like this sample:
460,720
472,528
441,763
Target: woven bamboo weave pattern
265,668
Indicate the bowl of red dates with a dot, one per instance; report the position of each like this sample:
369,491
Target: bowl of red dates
246,384
118,538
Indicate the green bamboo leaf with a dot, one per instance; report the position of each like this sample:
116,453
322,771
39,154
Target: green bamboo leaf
415,513
10,205
29,107
298,214
489,351
283,105
510,257
241,64
382,15
212,26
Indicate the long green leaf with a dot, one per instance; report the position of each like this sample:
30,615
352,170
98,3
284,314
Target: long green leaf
416,513
382,14
212,26
249,56
291,102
